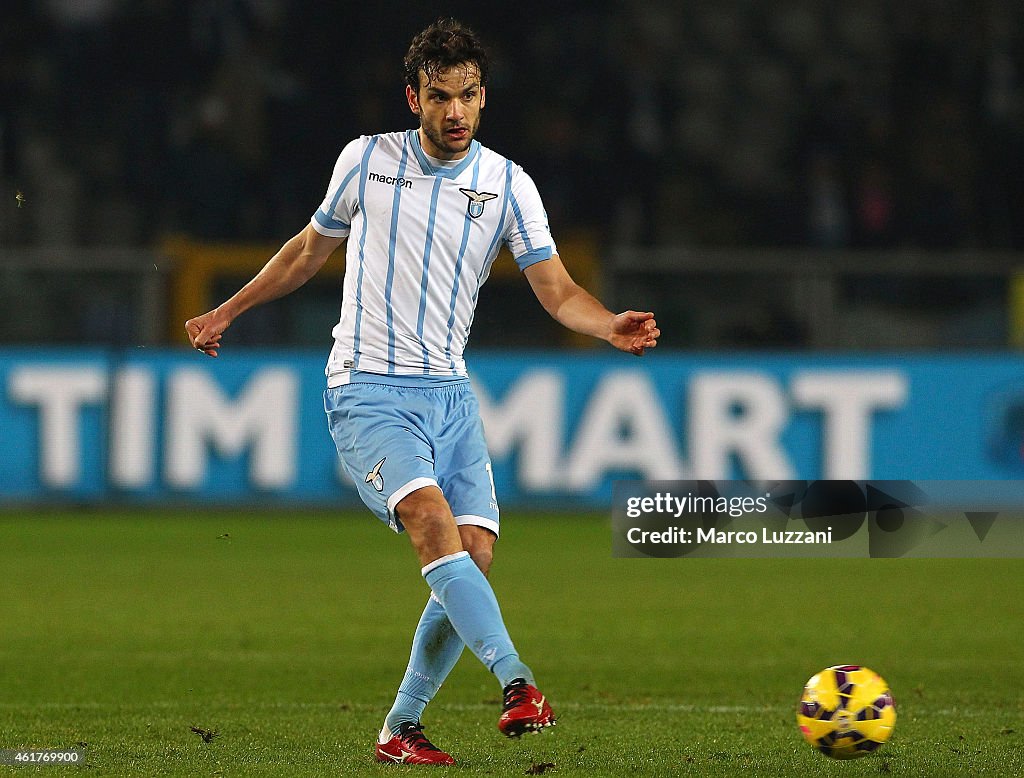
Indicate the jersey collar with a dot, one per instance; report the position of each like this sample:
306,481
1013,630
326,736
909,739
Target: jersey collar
430,169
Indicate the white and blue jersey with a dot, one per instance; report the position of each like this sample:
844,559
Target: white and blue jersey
422,236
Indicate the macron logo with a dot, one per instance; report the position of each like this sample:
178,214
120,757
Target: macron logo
405,183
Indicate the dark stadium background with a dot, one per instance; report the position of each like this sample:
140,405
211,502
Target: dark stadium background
894,129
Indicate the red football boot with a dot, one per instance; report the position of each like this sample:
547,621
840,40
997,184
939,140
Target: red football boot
410,746
524,709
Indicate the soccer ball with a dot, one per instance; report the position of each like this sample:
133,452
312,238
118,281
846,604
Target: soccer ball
846,711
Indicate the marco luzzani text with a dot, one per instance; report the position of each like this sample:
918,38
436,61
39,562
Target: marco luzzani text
667,504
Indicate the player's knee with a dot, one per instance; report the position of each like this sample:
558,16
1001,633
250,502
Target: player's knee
430,526
424,508
483,555
479,542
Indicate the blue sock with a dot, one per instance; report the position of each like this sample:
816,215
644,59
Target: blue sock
436,647
473,610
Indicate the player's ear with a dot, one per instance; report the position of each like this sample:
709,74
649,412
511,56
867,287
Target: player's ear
413,99
483,96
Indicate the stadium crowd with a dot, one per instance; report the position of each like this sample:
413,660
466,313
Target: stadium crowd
807,123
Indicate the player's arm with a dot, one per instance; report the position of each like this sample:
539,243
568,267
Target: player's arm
573,307
294,264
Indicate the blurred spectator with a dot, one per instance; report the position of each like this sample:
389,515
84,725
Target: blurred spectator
828,211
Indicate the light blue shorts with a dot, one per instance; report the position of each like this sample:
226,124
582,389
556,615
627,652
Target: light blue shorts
394,440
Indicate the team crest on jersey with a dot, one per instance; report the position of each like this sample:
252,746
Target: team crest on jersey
476,201
375,478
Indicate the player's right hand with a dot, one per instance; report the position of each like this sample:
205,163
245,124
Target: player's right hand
204,332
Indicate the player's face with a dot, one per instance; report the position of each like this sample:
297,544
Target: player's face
449,110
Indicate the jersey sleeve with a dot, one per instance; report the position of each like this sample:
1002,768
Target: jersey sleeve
527,234
334,216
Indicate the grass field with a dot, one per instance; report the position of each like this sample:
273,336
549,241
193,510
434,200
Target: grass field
287,634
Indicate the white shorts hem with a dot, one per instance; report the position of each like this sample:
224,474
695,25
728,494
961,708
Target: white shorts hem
407,489
478,521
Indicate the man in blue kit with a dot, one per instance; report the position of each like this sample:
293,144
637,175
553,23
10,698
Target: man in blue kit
423,214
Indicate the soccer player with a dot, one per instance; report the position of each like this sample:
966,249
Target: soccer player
424,213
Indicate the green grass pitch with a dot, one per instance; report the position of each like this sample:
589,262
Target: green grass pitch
286,634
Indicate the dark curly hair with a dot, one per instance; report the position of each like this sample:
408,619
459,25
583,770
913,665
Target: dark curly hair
443,45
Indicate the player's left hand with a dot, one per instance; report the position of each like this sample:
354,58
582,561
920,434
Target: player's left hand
634,332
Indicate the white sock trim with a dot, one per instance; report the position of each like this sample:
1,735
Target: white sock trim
478,521
443,561
385,735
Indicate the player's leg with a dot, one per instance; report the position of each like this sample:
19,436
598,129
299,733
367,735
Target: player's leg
458,583
473,610
436,646
464,473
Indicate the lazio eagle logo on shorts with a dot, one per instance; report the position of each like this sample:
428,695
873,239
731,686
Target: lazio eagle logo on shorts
374,477
476,201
